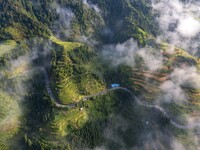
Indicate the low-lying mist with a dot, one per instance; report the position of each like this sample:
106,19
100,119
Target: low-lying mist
179,23
15,85
135,127
180,27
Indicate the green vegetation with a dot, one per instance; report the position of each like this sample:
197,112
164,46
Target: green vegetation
135,20
18,21
84,126
9,114
30,29
7,46
73,76
65,45
30,19
67,121
10,50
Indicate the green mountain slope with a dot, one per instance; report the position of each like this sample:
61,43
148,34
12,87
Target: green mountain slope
30,18
74,74
127,19
55,83
19,22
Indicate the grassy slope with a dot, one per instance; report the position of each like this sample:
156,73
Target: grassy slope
66,45
9,109
10,90
67,121
7,46
79,75
9,115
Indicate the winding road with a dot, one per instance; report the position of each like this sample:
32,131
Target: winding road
162,110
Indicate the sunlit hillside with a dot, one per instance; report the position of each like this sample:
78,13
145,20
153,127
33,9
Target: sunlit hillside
99,75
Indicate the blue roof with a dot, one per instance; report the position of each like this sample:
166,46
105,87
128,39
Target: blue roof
115,85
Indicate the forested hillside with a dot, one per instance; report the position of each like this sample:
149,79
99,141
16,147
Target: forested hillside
99,75
24,19
127,19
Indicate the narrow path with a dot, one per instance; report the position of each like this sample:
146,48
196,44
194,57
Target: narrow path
162,110
56,102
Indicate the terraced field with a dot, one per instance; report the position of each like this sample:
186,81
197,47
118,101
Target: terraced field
148,83
72,75
66,122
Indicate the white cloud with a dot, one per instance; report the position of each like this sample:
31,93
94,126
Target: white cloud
153,60
172,92
173,88
124,53
189,27
92,6
186,75
65,16
63,24
120,53
179,23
